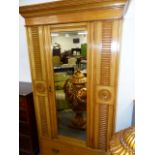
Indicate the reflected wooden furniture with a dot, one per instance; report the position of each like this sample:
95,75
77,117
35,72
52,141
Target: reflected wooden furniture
102,19
68,69
123,142
28,139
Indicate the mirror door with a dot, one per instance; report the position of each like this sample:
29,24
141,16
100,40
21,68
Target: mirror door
69,68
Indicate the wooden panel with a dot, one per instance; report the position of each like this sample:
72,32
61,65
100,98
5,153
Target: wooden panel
25,142
81,16
102,77
24,128
50,82
115,49
106,54
36,43
90,97
36,54
68,27
23,116
28,140
103,126
111,121
110,53
22,103
61,147
66,6
43,116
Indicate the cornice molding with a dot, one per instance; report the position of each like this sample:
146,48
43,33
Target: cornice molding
67,6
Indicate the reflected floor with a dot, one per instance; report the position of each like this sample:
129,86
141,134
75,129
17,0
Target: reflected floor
65,118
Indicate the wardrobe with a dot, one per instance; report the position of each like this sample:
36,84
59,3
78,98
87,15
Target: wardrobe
100,21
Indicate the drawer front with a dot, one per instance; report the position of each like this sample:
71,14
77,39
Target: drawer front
24,128
56,151
22,103
25,143
23,116
55,147
52,148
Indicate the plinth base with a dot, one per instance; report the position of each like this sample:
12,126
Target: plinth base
79,122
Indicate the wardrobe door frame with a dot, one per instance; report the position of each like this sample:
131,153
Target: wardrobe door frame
52,98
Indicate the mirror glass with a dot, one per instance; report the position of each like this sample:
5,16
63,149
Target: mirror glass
69,52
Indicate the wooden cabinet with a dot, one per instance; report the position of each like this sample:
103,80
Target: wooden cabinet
102,20
28,139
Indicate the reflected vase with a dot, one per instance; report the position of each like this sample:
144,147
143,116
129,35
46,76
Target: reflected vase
76,93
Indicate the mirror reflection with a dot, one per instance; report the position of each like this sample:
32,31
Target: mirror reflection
69,50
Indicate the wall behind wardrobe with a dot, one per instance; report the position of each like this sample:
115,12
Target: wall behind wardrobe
126,68
126,73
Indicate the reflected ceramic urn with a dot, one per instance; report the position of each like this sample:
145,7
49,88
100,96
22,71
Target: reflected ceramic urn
76,94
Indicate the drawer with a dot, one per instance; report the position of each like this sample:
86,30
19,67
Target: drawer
72,150
24,128
25,143
22,103
23,116
56,151
53,148
62,147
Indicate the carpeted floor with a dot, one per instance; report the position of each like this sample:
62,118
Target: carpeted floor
64,120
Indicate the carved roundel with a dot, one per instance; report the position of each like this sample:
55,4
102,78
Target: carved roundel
40,87
104,94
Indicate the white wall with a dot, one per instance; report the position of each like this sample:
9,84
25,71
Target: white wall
67,42
126,74
24,68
